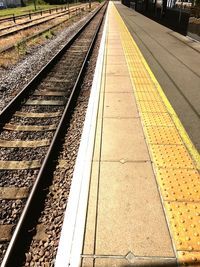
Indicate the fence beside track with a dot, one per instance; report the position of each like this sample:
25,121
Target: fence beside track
37,24
31,14
10,47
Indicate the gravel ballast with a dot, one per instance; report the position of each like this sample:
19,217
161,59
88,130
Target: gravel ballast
43,252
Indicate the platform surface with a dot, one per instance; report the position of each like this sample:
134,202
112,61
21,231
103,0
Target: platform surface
122,175
143,202
138,198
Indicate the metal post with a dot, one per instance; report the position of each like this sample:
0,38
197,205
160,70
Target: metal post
164,8
68,8
34,1
14,18
180,13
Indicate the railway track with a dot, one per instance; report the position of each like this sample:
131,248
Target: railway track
31,129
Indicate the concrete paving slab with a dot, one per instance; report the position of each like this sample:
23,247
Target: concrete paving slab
128,202
113,37
113,45
117,70
112,262
97,147
119,84
123,139
120,105
111,32
87,262
115,51
128,261
111,60
91,212
114,42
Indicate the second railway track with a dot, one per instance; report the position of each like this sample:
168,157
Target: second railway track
12,40
31,127
5,32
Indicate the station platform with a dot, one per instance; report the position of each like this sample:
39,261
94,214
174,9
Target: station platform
135,197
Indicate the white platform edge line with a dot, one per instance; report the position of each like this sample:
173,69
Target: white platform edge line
72,234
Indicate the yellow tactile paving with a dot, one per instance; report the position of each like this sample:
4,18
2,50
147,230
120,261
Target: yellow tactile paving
179,184
147,96
146,106
176,171
171,156
163,135
184,218
157,119
190,259
145,88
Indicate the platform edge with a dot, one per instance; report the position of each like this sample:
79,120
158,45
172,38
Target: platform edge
71,240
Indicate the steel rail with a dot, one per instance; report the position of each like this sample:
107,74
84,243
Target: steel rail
30,213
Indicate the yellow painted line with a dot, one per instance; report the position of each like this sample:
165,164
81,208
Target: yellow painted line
176,161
